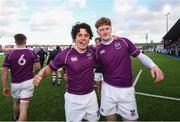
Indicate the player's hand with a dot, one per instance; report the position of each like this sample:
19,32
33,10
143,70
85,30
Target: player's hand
157,73
6,91
36,80
114,37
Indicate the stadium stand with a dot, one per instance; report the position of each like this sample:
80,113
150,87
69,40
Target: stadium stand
172,40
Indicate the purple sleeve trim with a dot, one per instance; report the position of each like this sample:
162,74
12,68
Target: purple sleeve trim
135,53
125,43
6,65
52,67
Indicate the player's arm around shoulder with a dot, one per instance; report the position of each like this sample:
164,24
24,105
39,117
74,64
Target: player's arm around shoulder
42,73
115,37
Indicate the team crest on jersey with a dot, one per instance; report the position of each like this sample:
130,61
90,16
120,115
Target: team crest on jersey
102,51
89,55
73,59
117,45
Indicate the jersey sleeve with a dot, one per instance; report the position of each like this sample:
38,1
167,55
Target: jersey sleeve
133,51
58,61
93,50
36,58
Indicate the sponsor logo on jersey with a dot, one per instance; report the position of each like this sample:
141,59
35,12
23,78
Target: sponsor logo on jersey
117,45
102,51
73,59
89,55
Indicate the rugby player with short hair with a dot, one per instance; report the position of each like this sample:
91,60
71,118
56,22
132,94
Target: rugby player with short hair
42,56
20,62
98,73
56,76
80,97
118,94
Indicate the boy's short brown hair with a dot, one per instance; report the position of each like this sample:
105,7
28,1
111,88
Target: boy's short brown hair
20,39
102,21
98,38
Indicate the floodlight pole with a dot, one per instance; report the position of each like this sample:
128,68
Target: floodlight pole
167,21
146,38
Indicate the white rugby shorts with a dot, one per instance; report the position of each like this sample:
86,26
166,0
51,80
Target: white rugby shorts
115,100
79,107
23,91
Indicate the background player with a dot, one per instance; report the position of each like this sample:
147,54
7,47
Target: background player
98,73
56,75
20,62
42,56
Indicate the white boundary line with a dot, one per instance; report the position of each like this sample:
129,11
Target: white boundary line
137,77
157,96
151,95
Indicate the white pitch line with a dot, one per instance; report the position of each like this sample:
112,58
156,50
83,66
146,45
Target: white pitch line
137,77
158,96
151,95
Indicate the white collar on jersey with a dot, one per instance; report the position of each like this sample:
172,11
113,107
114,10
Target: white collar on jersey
107,42
21,48
79,51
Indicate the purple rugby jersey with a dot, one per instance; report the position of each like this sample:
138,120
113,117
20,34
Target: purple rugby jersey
79,69
116,61
20,62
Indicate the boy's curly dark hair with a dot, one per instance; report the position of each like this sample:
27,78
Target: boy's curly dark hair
76,28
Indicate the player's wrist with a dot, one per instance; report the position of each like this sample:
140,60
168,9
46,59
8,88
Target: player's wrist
154,66
4,87
40,76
